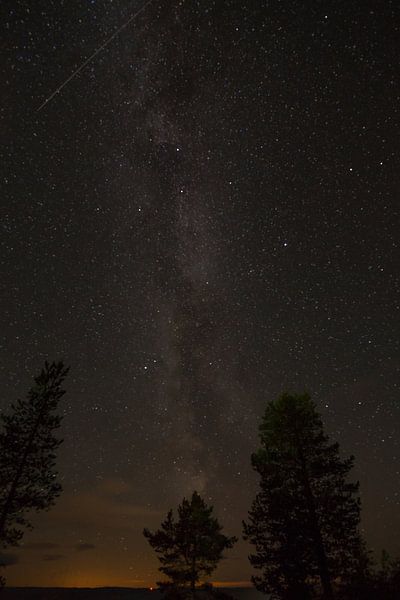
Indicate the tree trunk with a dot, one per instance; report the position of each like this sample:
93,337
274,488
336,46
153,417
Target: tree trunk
316,533
193,580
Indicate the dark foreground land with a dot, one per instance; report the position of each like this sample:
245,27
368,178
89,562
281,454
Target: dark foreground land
78,594
107,594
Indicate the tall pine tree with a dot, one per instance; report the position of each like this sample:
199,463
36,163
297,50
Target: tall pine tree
304,521
190,547
28,480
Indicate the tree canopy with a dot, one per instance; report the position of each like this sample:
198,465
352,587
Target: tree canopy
28,479
190,547
304,521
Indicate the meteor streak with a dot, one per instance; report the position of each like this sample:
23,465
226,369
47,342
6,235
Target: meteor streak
92,56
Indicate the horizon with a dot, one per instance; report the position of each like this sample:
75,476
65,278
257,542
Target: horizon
218,584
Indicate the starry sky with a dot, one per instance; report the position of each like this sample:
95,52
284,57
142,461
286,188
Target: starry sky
204,217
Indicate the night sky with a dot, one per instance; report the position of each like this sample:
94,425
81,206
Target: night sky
204,217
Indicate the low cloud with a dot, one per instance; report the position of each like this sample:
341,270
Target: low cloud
40,546
6,560
84,547
52,557
113,486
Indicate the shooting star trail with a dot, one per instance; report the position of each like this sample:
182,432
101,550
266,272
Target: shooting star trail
92,56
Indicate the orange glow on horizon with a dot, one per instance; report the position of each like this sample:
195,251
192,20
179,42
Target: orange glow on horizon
94,580
89,579
240,584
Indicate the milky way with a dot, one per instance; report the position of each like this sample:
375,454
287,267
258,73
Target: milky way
206,216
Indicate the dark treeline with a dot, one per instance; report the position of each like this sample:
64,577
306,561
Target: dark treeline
304,523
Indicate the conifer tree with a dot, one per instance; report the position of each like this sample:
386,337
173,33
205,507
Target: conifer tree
28,480
189,547
304,521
